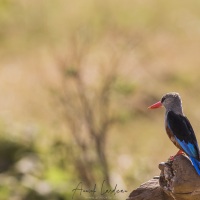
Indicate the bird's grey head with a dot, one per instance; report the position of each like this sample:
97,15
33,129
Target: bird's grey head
172,101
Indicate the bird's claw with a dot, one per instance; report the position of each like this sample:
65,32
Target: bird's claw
180,152
171,158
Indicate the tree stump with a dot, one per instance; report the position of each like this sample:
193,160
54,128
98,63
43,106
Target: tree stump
178,180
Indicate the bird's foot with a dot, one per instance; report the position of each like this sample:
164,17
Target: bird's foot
171,158
180,152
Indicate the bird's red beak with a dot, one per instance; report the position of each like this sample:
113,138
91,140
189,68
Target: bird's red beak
155,105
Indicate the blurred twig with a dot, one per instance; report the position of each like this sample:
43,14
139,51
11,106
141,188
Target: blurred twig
80,111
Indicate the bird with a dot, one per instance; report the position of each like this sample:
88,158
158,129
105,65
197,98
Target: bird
178,128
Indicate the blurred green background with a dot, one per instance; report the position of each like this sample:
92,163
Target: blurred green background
76,78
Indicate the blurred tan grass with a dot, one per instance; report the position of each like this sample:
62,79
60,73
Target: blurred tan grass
157,47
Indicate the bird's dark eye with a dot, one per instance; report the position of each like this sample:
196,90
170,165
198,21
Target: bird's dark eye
163,99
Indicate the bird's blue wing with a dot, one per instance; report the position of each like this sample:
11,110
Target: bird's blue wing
189,148
183,133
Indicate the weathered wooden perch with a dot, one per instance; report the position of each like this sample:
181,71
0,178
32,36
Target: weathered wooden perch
178,181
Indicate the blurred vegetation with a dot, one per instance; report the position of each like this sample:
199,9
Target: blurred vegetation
76,78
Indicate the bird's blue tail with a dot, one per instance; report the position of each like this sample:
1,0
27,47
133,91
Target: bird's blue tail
196,164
